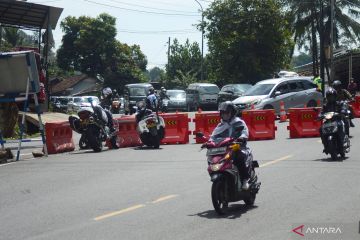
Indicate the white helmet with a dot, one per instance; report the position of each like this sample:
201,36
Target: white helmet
106,92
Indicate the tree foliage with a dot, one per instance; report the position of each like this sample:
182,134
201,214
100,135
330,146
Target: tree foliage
89,46
183,59
248,40
305,19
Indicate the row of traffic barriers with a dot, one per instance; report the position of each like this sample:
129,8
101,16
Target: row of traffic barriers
261,123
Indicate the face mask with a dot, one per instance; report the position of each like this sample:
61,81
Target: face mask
225,116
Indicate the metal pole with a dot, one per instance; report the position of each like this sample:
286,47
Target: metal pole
1,29
332,41
202,40
322,55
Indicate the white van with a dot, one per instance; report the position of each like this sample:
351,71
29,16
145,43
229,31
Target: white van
203,95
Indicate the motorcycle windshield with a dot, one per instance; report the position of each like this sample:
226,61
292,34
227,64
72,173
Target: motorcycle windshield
221,132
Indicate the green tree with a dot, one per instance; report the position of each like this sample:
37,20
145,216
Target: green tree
128,66
301,59
89,46
183,59
248,40
305,22
156,74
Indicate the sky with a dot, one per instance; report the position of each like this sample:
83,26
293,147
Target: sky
148,23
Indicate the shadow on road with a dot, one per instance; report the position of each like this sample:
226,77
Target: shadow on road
330,160
146,148
234,211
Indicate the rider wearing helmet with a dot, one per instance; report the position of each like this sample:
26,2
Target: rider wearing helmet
151,100
163,94
106,99
234,127
105,103
331,105
343,95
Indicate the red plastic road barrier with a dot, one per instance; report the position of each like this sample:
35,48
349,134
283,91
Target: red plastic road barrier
176,128
261,124
127,134
205,122
59,137
356,106
303,122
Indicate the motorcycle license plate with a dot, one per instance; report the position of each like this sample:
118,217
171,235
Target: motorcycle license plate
216,151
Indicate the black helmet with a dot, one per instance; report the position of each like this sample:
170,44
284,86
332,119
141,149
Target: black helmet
331,95
227,107
337,84
151,90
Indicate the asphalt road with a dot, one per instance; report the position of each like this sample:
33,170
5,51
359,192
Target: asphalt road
137,193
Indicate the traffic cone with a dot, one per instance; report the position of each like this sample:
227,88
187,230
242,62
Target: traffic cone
282,112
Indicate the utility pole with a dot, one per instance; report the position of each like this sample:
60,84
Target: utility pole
332,19
322,54
169,52
202,40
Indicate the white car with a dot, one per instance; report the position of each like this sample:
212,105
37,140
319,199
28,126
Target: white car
267,94
76,103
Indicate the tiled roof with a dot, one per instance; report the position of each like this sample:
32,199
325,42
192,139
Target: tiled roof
67,83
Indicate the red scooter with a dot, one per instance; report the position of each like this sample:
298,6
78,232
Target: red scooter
225,175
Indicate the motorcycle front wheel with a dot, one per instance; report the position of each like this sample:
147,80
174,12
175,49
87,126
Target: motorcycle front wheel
218,197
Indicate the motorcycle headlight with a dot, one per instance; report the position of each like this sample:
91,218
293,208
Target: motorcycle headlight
216,167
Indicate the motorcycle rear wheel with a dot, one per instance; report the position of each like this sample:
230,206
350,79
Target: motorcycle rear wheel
94,139
156,142
83,143
218,197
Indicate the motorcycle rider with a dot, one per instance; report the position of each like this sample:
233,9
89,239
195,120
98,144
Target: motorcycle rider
152,100
230,126
331,105
105,104
162,96
343,95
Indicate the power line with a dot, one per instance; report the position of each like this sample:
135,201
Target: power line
161,9
180,31
142,11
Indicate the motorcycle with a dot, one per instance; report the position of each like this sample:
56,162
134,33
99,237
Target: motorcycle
91,123
335,138
150,126
226,178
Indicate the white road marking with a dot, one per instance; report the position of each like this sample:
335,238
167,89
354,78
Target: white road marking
276,161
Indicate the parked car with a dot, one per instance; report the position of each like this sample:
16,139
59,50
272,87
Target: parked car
76,103
203,95
59,104
177,100
134,93
230,92
267,94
